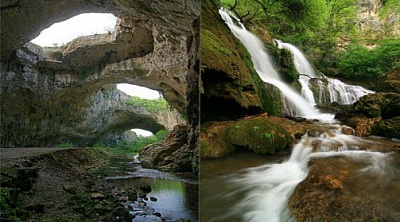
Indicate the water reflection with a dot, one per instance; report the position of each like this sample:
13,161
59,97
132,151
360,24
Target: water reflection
171,197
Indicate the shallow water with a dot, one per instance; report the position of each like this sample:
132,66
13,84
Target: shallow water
172,196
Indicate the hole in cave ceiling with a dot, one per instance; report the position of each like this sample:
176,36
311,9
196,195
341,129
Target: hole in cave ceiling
142,132
81,25
139,91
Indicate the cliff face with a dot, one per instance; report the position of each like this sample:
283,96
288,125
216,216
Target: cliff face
372,24
66,94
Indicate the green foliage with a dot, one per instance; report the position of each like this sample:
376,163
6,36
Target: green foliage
161,134
8,201
135,147
151,105
268,135
359,62
211,42
315,25
390,6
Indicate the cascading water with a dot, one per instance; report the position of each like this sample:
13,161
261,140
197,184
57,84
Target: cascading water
338,90
264,68
304,68
267,188
344,93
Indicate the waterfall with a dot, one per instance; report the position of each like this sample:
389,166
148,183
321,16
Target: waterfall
344,93
263,66
304,68
268,187
338,90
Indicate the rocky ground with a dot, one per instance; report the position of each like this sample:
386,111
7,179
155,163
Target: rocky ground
57,185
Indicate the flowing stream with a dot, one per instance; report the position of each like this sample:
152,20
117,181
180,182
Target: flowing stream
167,197
255,191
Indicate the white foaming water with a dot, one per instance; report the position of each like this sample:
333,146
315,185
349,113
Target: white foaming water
263,66
304,68
270,186
344,93
338,90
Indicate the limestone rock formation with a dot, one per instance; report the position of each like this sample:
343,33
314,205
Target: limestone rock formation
65,94
167,155
370,23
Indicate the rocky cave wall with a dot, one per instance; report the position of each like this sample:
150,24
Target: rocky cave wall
54,95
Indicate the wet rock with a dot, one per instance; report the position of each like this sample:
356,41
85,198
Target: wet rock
330,183
153,199
132,195
347,131
296,119
374,114
146,189
97,196
122,213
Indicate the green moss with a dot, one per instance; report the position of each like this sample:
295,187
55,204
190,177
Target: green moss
211,43
259,135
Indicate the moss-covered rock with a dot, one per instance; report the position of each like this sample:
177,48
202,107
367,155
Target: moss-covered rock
214,139
229,81
259,135
388,127
374,114
386,105
390,82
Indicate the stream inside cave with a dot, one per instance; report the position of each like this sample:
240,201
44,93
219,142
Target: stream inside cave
165,196
248,187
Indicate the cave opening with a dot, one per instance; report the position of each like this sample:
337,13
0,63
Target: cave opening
139,91
83,24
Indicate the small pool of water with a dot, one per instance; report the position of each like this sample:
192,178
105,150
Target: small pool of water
172,196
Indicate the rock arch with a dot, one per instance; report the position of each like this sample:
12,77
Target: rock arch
47,94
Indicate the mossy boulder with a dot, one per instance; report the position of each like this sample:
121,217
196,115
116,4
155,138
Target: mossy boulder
214,142
259,135
390,82
374,114
388,127
386,105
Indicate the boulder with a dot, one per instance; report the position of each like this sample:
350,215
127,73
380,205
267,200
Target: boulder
259,135
171,154
214,141
374,114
